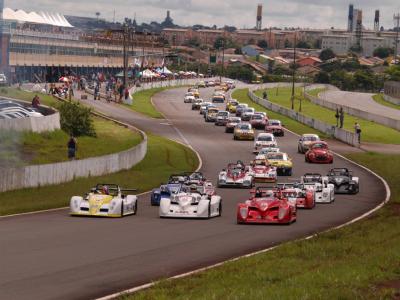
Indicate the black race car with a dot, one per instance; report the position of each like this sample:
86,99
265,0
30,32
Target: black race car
344,181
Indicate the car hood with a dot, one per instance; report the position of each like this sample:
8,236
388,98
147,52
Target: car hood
285,163
97,201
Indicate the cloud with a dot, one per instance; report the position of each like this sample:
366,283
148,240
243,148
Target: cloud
289,13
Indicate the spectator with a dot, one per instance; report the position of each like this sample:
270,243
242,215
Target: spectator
126,94
337,115
96,93
72,146
357,130
341,116
121,92
36,101
265,95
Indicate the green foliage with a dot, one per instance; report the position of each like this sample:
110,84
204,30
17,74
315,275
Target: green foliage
240,72
322,77
287,44
76,119
303,45
327,54
193,42
383,52
221,42
393,72
262,44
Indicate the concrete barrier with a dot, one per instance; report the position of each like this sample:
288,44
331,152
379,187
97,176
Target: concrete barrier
391,99
49,122
389,122
50,174
340,134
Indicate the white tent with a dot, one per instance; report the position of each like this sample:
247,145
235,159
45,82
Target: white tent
148,74
46,18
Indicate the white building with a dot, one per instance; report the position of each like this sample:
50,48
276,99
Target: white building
341,43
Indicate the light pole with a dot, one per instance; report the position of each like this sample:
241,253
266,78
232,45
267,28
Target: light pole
396,19
294,69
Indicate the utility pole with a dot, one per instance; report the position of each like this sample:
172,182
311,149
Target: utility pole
294,69
396,19
223,61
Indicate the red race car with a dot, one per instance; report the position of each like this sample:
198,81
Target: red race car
263,171
258,121
299,196
266,207
319,153
275,127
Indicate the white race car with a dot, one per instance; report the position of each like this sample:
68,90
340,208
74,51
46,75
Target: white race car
236,175
189,99
324,191
104,200
264,140
191,202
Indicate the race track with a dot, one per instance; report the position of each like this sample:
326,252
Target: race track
55,256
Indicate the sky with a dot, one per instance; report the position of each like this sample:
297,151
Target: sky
239,13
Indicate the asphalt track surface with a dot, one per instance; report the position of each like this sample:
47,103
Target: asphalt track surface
54,256
361,101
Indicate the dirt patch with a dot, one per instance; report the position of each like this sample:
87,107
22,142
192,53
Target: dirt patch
395,208
392,285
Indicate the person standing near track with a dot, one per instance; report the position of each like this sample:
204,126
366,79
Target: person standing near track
72,146
341,117
357,130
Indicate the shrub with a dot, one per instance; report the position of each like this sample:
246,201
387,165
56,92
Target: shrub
76,119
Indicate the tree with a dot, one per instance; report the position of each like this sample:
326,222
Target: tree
383,52
327,54
393,72
76,119
287,44
262,44
303,45
193,42
322,77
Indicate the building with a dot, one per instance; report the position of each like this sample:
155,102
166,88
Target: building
44,46
309,61
342,43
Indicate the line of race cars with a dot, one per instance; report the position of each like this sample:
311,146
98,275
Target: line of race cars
191,195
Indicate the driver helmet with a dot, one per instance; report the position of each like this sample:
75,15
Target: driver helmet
105,190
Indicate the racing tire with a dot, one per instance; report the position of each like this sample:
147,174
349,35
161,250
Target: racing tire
289,172
122,209
209,210
135,207
220,208
306,159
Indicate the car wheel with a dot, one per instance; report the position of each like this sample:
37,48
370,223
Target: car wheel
209,209
289,172
306,159
220,209
135,207
122,208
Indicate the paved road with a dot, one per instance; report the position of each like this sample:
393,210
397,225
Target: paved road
362,101
54,256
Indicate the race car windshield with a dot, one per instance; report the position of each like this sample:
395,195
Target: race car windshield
310,138
276,156
244,127
319,146
257,117
235,120
265,138
249,110
339,172
223,114
275,123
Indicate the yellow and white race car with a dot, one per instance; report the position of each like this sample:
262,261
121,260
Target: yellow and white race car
231,105
281,161
243,131
104,200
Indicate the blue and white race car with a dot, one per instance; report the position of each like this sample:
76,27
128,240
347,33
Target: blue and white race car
174,185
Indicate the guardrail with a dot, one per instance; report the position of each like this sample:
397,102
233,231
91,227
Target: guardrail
49,122
386,121
338,133
50,174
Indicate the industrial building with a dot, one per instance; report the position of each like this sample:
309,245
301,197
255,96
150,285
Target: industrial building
43,46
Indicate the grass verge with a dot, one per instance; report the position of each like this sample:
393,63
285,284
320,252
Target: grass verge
357,262
242,96
379,99
142,102
29,148
163,158
371,132
28,96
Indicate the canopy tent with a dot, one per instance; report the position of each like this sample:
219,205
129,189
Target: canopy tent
149,74
46,18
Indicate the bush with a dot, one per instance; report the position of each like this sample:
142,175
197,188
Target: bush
76,119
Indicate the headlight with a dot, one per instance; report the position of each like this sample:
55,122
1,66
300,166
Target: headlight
243,212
